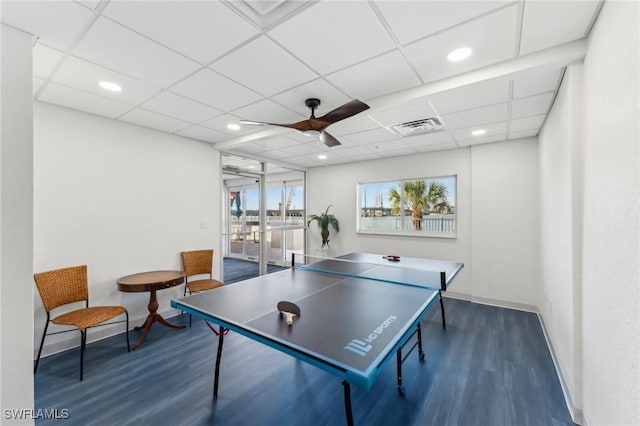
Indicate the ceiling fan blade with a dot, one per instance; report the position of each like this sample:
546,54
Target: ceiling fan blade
302,126
319,124
345,111
256,123
328,140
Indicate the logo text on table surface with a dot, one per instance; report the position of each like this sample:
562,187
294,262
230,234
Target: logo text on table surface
362,347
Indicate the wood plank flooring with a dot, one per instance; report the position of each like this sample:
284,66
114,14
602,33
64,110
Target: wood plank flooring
491,367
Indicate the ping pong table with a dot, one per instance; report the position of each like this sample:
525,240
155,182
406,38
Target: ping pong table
357,312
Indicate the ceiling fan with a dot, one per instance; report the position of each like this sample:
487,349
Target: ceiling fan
317,125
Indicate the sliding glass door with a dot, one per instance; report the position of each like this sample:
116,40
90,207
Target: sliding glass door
263,211
285,220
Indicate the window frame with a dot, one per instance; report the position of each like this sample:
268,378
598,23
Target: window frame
402,218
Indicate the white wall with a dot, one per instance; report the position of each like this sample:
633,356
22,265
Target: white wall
122,199
16,217
611,271
504,222
559,296
487,276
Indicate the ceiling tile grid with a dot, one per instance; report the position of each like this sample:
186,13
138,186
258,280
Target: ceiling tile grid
193,67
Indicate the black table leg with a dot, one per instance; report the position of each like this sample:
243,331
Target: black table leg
347,402
444,323
218,357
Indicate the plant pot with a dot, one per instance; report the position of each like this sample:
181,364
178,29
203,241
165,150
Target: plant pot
325,237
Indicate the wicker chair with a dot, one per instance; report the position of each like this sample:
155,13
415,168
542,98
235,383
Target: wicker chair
69,285
198,262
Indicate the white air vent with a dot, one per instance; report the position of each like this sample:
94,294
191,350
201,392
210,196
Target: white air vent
417,127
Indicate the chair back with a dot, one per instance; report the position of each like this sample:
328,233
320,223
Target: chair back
62,286
197,262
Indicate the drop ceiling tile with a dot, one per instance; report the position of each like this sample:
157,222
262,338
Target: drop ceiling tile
313,147
44,60
220,123
215,90
397,147
250,148
267,111
354,124
349,151
265,67
82,101
153,120
535,83
472,96
382,75
84,75
435,147
547,24
278,142
91,4
181,108
276,154
366,157
142,58
56,23
428,139
411,20
203,134
483,140
330,97
523,134
475,117
333,161
533,105
492,38
415,109
527,123
491,130
193,28
369,137
332,35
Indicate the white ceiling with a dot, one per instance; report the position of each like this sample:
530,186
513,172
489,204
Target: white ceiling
192,67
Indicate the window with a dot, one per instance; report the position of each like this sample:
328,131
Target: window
424,207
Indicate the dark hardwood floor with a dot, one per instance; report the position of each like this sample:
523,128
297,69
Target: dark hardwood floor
491,367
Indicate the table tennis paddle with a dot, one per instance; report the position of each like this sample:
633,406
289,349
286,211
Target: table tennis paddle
392,257
289,309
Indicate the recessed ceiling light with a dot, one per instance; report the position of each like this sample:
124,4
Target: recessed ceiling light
322,157
459,54
233,126
110,86
479,132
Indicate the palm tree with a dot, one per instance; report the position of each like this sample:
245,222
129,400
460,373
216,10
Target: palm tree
436,199
420,200
324,220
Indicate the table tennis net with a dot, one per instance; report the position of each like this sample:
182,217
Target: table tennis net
392,273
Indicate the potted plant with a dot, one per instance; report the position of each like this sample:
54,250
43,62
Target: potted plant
324,220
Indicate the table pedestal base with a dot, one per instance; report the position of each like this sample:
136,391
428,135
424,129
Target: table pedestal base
153,316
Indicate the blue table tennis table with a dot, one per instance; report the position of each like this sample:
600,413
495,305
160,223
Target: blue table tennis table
357,312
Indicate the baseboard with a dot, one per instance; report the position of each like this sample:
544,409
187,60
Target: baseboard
575,412
492,302
94,335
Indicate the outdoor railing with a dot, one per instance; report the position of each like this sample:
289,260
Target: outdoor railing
440,223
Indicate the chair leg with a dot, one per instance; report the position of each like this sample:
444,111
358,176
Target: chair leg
83,342
44,333
127,331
